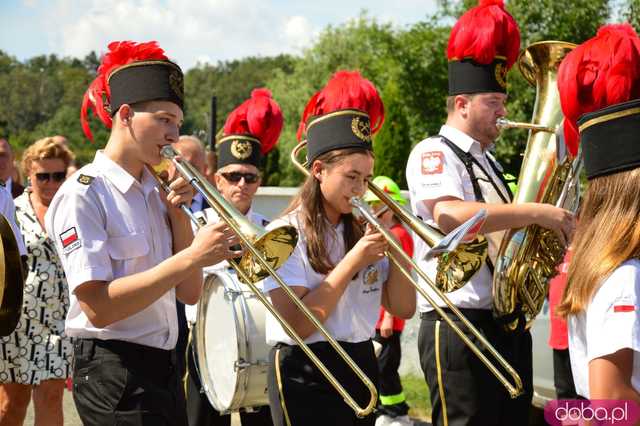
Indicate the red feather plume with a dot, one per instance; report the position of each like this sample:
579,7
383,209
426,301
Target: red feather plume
484,32
120,53
345,90
260,116
603,71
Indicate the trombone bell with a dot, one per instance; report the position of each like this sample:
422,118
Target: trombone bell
275,245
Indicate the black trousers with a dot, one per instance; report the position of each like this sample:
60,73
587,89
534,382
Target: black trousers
122,383
463,391
392,401
299,395
202,413
562,376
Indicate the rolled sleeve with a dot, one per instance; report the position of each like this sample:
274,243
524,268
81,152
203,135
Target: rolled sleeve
76,216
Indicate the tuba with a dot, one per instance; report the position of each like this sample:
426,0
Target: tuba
12,276
528,257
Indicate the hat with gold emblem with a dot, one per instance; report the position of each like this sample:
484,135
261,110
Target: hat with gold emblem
599,85
346,113
129,73
251,130
483,46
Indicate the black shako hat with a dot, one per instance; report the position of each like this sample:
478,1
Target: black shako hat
251,130
344,114
239,149
341,129
616,126
130,73
483,46
146,81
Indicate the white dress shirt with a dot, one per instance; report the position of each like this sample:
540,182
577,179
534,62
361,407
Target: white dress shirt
107,225
610,323
354,317
435,171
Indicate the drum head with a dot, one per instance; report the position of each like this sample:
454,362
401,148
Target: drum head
217,340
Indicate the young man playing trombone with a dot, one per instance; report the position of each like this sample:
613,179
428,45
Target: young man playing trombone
451,176
250,132
127,249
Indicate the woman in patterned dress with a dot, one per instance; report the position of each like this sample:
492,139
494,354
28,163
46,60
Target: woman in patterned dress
36,358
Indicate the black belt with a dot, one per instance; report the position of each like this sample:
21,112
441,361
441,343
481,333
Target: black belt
133,352
478,315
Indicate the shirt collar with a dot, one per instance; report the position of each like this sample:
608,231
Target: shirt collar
119,177
461,139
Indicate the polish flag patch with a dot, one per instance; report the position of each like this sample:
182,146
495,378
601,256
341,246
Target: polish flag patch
69,239
432,162
624,308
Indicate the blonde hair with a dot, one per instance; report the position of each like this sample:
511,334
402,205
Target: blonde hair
49,148
608,234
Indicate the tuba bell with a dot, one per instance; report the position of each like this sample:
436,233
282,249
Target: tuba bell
528,257
12,278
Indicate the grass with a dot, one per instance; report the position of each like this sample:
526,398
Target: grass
417,394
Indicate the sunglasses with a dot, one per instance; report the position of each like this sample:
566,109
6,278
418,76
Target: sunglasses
235,177
55,176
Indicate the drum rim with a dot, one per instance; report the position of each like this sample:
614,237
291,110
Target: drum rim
240,308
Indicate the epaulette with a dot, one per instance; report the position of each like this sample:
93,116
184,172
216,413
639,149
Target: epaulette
85,179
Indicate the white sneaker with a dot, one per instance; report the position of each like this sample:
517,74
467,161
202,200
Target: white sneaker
401,421
384,420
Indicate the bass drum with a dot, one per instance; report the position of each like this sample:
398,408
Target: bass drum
230,345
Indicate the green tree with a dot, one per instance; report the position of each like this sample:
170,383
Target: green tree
392,144
362,44
631,13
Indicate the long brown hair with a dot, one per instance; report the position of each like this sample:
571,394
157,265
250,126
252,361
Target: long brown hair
608,234
313,216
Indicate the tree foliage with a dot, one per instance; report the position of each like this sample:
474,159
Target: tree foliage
42,96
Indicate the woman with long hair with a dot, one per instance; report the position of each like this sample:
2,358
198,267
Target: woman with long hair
337,268
601,299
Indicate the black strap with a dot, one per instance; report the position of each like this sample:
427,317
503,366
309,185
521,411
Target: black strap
498,173
468,161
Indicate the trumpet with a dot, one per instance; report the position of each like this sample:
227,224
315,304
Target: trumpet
514,389
266,251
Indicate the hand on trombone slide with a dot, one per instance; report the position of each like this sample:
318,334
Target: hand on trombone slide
214,243
211,244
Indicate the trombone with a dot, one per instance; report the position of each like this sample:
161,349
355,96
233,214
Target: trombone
267,250
457,266
514,389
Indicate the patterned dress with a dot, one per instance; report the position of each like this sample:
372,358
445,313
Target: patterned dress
38,349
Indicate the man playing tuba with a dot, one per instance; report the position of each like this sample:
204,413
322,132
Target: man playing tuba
452,176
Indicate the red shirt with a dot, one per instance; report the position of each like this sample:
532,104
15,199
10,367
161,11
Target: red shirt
407,245
558,336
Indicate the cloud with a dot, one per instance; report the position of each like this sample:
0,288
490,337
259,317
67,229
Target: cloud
190,31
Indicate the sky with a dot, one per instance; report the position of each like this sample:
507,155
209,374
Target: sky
189,31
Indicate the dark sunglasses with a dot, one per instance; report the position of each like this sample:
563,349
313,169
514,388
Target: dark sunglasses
235,177
55,176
